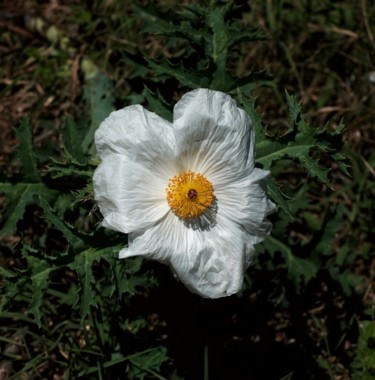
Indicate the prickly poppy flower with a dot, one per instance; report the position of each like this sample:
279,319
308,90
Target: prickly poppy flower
186,192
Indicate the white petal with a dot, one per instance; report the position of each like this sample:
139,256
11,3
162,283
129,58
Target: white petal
214,136
245,202
209,262
134,130
131,195
140,152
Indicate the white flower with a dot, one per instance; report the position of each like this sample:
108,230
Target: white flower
187,193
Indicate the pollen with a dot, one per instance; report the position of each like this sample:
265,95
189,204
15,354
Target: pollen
189,194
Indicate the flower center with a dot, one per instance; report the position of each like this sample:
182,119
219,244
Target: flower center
189,194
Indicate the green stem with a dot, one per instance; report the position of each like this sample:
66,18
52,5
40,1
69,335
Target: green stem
206,370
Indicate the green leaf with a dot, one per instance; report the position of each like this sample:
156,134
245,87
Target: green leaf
249,106
366,350
10,290
71,169
33,281
340,160
158,105
73,140
202,35
125,276
154,355
300,142
153,23
148,363
219,39
347,280
25,151
270,151
189,79
237,35
299,269
279,198
6,273
332,223
82,264
41,271
18,196
98,93
70,233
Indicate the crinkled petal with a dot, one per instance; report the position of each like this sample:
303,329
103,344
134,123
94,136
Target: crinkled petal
140,152
214,136
210,262
137,148
135,131
130,195
245,202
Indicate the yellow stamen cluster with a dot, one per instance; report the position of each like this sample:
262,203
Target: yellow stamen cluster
189,194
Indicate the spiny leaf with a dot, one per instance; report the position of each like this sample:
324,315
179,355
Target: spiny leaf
82,264
250,82
249,106
153,23
40,278
18,196
237,35
29,164
29,183
98,93
340,160
10,290
70,233
35,280
347,279
280,199
298,143
70,168
6,273
73,135
298,269
366,352
125,278
180,25
146,363
208,35
332,223
158,105
219,40
190,79
117,358
120,281
269,151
